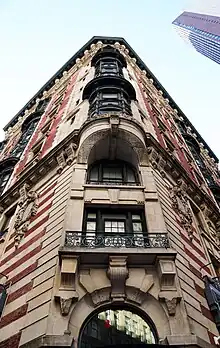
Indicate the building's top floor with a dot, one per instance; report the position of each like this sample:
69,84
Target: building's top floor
110,40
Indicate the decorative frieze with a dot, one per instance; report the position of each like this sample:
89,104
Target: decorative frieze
27,207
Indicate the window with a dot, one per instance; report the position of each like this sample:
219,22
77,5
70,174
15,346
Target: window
170,146
3,296
28,130
6,222
114,222
112,172
109,99
4,178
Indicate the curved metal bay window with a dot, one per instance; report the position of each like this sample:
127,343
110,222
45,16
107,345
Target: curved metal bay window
108,62
106,99
112,172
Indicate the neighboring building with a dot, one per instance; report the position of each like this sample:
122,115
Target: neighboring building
110,218
202,31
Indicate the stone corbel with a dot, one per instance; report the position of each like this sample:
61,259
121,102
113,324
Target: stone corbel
167,273
117,273
171,300
67,293
61,162
114,124
70,153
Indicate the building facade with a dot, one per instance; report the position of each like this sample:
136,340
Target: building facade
110,223
202,31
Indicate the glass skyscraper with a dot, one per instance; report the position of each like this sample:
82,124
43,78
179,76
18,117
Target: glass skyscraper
202,31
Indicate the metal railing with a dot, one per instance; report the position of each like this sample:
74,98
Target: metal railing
115,240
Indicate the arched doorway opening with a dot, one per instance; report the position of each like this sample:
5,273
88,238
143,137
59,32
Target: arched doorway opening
116,327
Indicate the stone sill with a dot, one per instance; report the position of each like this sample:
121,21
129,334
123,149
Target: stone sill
124,187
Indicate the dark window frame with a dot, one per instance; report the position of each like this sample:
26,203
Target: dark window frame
104,213
122,165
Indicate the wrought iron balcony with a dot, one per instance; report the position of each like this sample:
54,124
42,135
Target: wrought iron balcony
76,239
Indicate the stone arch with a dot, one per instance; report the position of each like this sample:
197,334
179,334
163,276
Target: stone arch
126,146
150,310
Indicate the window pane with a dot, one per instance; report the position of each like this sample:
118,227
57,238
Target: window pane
114,226
136,217
94,174
91,226
130,175
112,174
137,227
91,216
110,96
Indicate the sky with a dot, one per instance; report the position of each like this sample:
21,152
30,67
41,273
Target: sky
38,37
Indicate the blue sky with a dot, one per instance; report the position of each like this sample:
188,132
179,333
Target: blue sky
38,37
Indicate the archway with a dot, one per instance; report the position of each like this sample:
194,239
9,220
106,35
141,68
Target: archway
116,326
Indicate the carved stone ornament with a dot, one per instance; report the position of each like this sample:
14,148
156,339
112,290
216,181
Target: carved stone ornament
65,304
171,302
28,205
61,162
181,206
70,153
117,273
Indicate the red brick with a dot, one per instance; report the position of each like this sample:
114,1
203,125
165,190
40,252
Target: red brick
199,290
195,271
211,337
40,223
23,273
48,189
23,247
11,342
206,312
42,211
49,141
15,315
194,258
23,290
32,229
46,199
23,259
188,241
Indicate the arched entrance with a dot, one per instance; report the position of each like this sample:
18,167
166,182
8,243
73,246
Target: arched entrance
116,327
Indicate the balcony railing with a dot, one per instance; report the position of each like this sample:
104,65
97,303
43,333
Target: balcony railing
75,239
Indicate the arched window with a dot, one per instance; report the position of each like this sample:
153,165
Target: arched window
112,172
6,169
28,129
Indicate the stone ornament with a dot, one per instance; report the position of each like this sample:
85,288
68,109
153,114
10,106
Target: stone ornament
181,206
171,301
65,304
66,157
117,273
28,205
